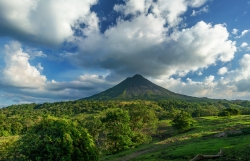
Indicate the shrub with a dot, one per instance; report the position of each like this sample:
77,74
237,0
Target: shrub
57,139
182,121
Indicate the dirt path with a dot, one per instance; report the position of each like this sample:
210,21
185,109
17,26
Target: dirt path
137,153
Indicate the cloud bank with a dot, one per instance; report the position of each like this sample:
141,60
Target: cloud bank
149,37
46,22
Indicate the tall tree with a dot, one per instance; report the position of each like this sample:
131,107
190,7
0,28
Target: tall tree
143,123
118,131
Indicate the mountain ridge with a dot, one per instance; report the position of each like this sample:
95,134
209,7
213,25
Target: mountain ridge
138,87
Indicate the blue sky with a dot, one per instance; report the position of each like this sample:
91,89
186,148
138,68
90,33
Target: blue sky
62,50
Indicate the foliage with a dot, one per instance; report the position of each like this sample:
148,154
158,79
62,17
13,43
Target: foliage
57,139
94,127
229,112
182,121
7,145
138,128
119,134
200,140
143,123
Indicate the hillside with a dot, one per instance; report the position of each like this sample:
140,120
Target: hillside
138,87
203,138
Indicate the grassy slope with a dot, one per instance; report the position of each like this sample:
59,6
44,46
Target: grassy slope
200,140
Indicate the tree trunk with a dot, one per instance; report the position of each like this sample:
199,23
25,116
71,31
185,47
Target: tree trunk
202,157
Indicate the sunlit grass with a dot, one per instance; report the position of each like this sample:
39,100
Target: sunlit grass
201,139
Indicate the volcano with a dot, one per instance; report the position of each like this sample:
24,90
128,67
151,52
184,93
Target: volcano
138,87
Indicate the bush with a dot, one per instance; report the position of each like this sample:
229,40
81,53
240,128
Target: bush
57,139
229,112
182,121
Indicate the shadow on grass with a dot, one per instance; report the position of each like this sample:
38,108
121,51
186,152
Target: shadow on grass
199,140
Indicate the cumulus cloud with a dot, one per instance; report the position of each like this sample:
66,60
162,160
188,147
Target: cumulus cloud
235,31
46,22
148,41
168,10
238,79
39,67
243,33
243,73
244,44
23,82
208,87
18,72
142,45
133,7
202,10
222,71
233,85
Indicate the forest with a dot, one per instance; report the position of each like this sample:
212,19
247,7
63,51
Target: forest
91,130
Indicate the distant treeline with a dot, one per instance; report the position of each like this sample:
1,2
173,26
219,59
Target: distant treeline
17,119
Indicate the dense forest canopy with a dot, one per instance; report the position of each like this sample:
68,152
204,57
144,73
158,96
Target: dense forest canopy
17,119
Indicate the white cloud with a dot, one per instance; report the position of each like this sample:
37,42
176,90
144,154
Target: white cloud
204,88
18,72
235,31
199,73
224,88
133,7
222,71
35,53
47,22
142,44
144,39
243,33
168,10
39,67
244,44
23,83
202,10
241,76
196,3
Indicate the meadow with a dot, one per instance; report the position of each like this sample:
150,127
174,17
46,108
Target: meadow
203,138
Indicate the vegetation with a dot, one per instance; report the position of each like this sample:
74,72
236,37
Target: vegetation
116,128
182,121
204,138
229,112
57,139
160,125
119,134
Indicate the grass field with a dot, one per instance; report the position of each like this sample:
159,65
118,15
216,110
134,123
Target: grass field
203,138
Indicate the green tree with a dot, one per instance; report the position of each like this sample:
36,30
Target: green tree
118,131
229,112
143,123
94,127
57,139
182,121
